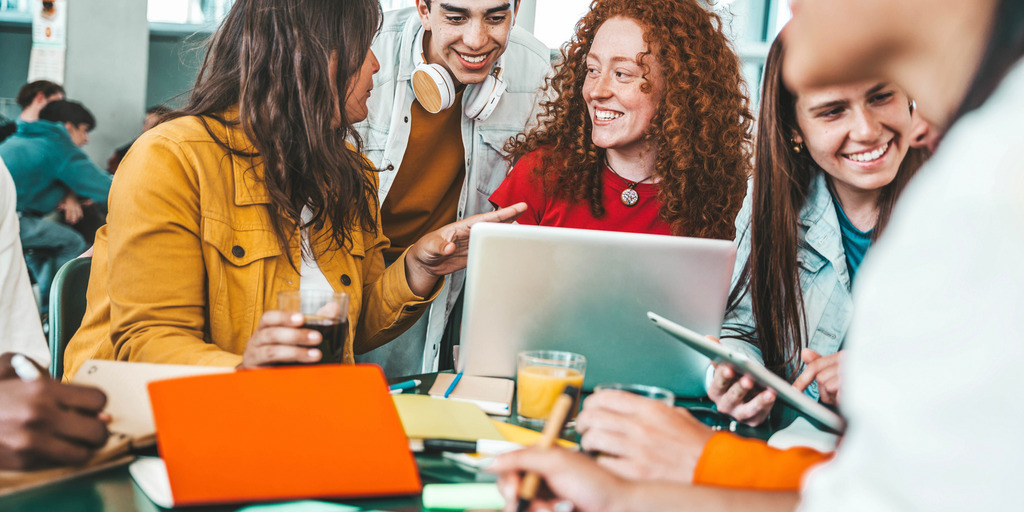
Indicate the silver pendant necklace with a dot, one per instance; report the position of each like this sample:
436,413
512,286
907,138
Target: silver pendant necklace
629,196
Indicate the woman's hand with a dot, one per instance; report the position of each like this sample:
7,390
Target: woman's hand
739,396
443,251
279,339
825,370
642,439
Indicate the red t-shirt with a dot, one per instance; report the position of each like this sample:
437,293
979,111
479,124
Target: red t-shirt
547,209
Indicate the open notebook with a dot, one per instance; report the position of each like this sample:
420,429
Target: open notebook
127,403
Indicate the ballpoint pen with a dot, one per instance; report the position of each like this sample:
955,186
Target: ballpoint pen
24,368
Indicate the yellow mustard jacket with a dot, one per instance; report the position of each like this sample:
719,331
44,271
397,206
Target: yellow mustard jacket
189,260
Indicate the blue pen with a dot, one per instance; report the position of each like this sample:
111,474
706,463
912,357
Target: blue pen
455,382
402,386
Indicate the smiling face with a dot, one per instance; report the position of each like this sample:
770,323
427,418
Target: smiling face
857,133
466,37
359,89
620,110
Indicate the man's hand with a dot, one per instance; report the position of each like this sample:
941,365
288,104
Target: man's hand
442,252
46,423
72,209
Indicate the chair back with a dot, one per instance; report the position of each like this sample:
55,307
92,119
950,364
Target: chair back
67,307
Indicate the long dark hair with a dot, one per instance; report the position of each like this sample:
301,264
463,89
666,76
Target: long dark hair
701,131
782,179
271,59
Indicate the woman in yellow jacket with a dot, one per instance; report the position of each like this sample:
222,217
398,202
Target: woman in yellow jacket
217,210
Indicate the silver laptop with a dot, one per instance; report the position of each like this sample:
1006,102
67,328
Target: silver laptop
586,291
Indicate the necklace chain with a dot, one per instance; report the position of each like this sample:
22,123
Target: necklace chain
629,196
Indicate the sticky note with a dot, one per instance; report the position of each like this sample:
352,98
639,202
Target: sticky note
462,497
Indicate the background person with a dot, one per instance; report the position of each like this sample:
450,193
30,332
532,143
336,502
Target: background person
47,165
32,97
648,130
250,190
439,167
829,166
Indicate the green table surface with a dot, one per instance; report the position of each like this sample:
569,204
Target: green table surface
114,491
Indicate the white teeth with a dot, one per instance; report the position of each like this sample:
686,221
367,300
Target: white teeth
869,156
604,115
473,60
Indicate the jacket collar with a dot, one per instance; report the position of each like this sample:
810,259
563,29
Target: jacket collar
818,216
248,171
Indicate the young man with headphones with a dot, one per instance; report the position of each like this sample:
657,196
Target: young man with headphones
457,78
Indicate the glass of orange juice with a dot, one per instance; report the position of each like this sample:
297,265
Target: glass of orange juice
542,375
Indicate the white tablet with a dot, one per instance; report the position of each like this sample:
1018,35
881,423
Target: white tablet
719,354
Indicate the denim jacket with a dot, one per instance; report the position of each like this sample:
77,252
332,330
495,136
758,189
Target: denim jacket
824,278
386,131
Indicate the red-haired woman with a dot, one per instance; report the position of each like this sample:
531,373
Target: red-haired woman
648,130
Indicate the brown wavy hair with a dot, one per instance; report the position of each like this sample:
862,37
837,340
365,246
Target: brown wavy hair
271,59
782,180
702,131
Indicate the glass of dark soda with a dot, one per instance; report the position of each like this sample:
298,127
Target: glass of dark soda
325,312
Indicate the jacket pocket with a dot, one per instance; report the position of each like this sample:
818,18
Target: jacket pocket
494,167
238,277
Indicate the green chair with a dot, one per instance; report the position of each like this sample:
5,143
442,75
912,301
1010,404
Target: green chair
67,307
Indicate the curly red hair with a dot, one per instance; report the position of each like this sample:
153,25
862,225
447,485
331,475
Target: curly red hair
702,132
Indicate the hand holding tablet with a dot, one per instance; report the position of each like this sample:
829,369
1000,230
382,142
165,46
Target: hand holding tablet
719,354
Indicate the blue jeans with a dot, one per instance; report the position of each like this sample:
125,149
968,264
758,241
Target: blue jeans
48,245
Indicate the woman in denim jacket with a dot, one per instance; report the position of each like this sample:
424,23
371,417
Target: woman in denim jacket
829,164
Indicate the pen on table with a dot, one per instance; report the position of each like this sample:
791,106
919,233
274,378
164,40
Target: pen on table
451,387
402,386
24,368
481,446
555,422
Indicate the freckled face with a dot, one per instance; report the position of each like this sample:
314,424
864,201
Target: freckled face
620,111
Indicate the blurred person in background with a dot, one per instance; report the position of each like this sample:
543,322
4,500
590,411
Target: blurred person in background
48,166
32,97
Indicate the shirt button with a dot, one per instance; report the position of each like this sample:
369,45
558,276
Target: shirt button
390,167
407,119
237,251
346,280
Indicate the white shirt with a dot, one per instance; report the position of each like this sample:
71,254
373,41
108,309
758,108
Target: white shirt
934,375
20,328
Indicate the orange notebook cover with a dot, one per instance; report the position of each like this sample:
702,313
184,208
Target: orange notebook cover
282,433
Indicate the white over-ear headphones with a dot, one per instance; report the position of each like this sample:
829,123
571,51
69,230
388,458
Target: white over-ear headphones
435,88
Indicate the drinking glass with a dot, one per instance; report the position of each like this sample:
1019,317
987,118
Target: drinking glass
325,312
541,376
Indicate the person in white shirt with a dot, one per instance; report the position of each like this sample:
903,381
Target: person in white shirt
931,380
20,329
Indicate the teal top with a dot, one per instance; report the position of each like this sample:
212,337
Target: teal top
44,163
855,241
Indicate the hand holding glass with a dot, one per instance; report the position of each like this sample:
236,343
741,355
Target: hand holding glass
325,312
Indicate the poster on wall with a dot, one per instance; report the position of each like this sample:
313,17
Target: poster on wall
49,40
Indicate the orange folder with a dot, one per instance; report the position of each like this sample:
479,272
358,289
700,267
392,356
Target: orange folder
282,433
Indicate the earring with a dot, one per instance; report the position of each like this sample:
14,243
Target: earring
797,147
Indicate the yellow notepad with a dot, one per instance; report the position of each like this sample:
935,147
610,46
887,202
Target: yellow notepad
426,417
